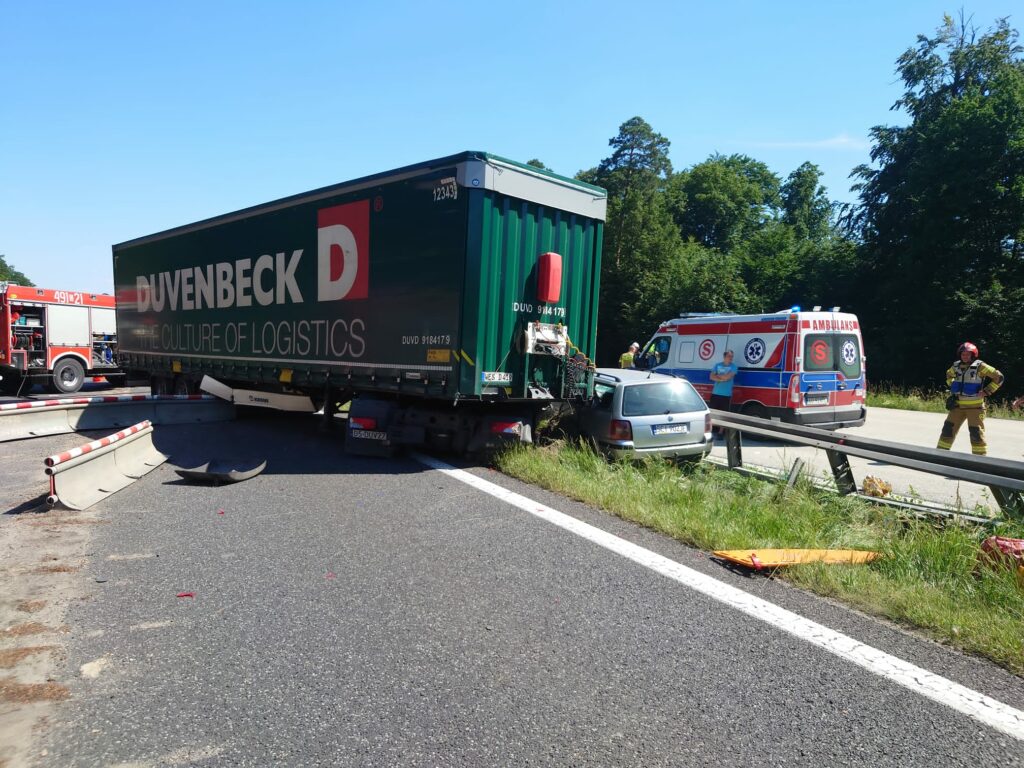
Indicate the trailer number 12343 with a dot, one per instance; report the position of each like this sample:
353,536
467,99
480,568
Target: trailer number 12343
446,189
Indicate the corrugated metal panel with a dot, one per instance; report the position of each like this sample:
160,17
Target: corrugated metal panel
510,235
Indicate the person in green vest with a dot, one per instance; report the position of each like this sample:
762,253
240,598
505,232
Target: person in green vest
626,358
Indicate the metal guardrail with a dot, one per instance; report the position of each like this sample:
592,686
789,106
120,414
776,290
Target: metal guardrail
1005,478
37,418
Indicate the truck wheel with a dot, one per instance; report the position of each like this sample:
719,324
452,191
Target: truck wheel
68,375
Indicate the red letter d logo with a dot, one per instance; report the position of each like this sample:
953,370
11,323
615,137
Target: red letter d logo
343,250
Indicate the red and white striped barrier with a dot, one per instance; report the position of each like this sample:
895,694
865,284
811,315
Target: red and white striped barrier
30,404
37,418
89,473
103,442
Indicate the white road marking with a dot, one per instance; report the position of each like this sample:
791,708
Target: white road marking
976,705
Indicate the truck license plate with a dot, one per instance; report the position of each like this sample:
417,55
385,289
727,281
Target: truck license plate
496,377
368,434
671,429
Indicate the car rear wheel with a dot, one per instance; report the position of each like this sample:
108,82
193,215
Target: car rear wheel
68,375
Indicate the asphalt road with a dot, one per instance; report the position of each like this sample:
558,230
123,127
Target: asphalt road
1005,438
352,611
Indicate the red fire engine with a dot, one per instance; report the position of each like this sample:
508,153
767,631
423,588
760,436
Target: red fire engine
55,337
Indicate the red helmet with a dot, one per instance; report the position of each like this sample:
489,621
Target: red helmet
968,347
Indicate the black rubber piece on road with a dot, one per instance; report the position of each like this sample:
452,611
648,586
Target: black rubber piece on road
218,472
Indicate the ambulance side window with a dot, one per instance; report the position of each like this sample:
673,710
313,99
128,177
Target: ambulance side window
686,349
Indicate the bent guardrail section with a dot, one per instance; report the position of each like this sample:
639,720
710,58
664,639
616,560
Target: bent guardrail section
1005,478
90,473
38,418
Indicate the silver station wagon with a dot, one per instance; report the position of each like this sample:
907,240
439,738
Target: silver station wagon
642,413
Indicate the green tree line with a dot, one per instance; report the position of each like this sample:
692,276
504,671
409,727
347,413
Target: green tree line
9,274
931,254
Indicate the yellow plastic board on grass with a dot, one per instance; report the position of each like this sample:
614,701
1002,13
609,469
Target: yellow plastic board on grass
779,558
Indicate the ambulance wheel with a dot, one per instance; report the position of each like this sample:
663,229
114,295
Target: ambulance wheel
756,410
68,376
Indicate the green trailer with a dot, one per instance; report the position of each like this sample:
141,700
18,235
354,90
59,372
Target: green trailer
451,300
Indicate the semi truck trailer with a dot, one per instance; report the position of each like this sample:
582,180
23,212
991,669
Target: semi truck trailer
453,302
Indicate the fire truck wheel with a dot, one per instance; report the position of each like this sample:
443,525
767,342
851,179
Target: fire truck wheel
68,375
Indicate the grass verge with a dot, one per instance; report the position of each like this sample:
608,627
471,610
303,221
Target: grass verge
887,396
925,579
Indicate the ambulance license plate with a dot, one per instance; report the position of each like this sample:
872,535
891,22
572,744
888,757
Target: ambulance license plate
818,398
670,429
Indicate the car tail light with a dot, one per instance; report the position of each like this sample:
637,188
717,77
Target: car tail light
707,422
362,422
506,427
620,430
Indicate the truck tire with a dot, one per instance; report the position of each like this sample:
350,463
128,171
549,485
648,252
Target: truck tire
68,375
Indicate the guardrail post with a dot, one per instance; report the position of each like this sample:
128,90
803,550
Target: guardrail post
794,473
733,448
845,481
1010,502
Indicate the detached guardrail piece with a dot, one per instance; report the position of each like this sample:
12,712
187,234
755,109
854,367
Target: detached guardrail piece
90,473
38,418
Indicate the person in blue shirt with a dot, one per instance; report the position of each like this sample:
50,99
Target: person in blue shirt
723,374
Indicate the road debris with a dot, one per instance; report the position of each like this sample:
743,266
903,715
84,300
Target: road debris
1004,552
877,487
222,471
759,559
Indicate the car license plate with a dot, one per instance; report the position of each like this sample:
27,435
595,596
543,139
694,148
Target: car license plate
671,429
816,399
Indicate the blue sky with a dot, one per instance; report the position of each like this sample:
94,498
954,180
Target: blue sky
119,119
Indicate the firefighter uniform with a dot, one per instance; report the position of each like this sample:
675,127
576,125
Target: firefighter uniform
971,383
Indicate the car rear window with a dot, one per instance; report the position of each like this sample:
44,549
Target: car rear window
662,397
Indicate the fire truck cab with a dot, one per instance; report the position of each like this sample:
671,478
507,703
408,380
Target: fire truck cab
57,338
797,366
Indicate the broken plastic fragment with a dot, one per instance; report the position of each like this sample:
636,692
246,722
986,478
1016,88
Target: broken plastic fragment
186,594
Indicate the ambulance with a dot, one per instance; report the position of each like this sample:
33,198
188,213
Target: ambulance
800,367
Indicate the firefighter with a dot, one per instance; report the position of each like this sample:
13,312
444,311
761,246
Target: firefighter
970,381
627,357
